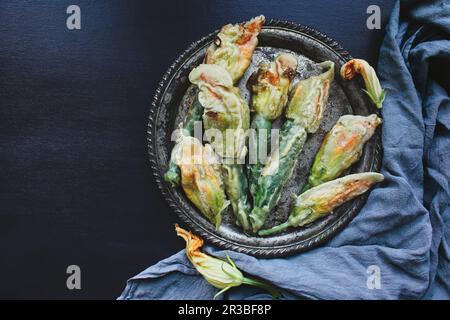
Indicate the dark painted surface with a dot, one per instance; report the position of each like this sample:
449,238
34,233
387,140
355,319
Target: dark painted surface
75,185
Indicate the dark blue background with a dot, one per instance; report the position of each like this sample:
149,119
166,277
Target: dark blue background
76,187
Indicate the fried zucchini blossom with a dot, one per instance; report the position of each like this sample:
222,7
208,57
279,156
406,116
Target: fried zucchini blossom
221,274
226,121
226,116
234,46
195,112
304,114
236,187
371,81
270,88
200,177
342,147
323,199
309,99
233,50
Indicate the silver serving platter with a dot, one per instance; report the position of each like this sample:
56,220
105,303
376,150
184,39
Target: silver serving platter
174,95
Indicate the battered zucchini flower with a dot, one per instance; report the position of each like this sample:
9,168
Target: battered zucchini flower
226,115
342,147
373,86
271,86
221,274
234,46
323,199
276,173
200,177
236,186
309,98
304,114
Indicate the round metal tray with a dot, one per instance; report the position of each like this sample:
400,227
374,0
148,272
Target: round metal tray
172,99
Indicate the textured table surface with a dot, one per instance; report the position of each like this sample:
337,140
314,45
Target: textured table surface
76,187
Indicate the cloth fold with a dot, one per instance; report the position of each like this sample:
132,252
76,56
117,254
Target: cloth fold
404,229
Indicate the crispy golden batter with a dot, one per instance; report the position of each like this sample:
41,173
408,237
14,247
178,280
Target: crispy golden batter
234,46
200,177
342,147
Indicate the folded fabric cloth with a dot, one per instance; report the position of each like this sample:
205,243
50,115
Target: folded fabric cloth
404,229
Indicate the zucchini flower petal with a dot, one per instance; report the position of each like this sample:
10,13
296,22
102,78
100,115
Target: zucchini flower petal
309,98
200,177
342,147
234,46
323,199
373,86
221,274
226,116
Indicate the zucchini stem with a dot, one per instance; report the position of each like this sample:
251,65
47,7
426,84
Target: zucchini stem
262,285
275,229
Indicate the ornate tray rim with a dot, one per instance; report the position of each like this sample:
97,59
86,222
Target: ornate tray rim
262,252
